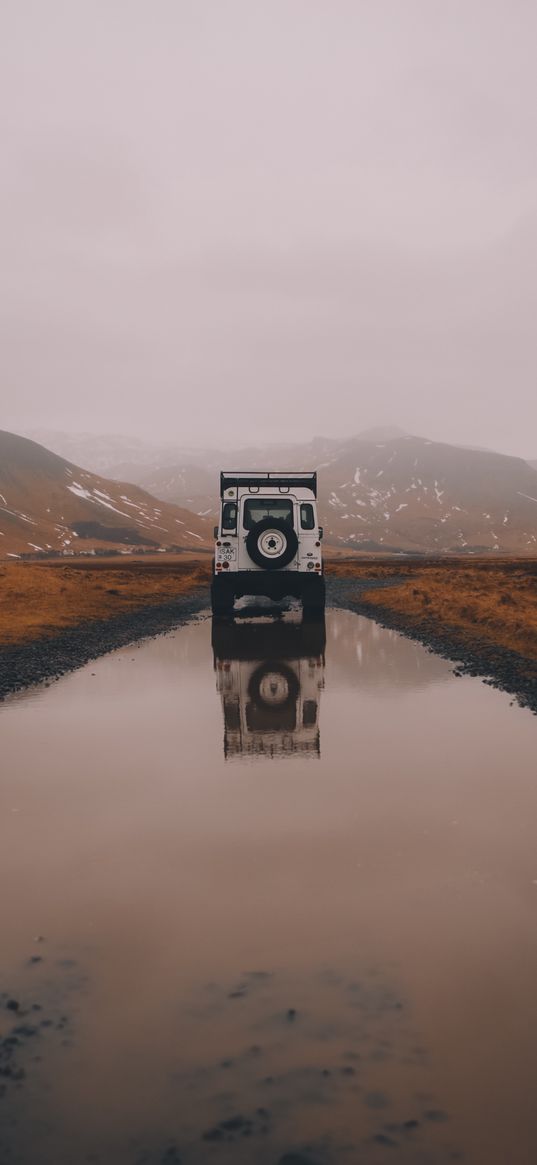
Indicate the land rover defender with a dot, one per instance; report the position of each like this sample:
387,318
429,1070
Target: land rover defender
268,540
270,677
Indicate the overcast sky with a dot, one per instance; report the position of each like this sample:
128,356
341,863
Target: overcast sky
230,220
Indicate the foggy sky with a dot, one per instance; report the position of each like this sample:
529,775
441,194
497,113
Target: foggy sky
231,220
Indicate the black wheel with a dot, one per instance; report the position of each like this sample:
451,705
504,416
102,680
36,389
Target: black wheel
272,543
221,598
314,601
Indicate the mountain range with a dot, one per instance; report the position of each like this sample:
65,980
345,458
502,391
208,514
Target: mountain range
381,491
384,491
50,504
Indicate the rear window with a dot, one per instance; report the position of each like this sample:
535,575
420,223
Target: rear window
229,516
255,509
307,516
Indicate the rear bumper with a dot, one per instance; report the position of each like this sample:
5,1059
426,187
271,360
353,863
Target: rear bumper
274,584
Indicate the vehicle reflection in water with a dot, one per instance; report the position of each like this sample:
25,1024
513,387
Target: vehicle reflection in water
270,674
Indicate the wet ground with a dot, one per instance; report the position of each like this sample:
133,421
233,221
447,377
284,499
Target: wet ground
269,895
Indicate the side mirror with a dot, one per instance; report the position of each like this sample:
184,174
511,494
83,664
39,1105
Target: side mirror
215,531
321,532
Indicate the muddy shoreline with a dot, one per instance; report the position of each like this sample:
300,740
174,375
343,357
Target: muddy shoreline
507,670
46,659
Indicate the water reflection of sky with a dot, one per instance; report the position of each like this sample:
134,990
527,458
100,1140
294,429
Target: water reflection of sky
361,654
337,945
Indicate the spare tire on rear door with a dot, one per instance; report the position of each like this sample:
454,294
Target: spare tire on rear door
272,543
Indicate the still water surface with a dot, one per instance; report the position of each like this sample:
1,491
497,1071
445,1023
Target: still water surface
265,898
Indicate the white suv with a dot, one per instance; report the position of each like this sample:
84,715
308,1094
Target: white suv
270,679
268,540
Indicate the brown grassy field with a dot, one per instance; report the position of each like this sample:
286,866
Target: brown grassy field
491,601
40,599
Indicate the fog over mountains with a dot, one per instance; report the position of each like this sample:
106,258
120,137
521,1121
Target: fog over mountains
282,219
383,490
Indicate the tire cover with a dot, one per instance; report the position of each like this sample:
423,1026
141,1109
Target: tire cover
273,686
271,543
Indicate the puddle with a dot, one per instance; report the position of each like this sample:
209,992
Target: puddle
269,896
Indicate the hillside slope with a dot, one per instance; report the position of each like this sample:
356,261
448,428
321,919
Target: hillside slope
49,504
415,494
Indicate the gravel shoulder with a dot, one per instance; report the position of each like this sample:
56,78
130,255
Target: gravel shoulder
46,659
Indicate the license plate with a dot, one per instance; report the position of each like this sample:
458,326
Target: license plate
229,555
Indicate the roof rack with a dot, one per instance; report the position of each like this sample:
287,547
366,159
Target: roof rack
230,479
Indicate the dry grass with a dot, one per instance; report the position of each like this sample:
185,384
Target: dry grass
494,602
40,599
